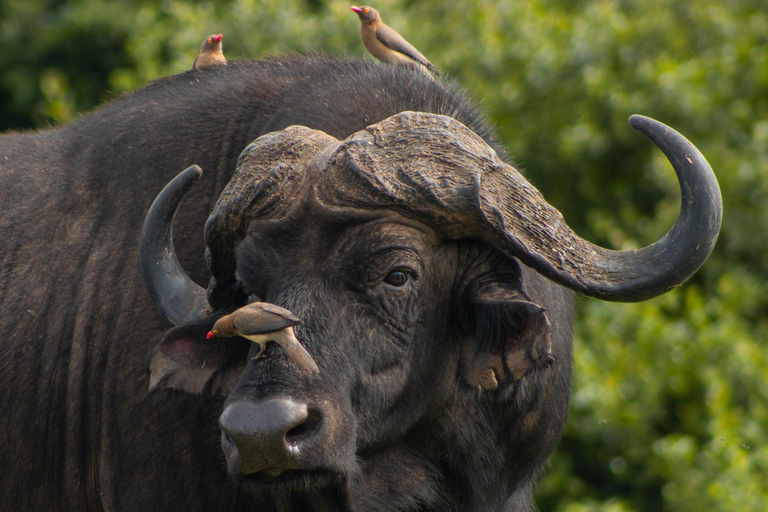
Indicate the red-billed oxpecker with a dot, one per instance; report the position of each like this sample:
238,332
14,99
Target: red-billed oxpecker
387,45
210,52
262,322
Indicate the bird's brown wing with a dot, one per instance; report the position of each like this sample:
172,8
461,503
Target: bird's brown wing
277,310
394,41
194,64
263,318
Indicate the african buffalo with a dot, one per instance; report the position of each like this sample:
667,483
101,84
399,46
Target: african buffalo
432,280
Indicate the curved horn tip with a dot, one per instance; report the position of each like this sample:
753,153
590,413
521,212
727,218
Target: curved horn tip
193,169
638,121
650,127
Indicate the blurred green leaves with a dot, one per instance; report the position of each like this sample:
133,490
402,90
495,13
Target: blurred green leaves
56,59
670,408
676,389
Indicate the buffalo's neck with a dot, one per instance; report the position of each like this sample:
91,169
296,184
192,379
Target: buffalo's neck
73,278
80,319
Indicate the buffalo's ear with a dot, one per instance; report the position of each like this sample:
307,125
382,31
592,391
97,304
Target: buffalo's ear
511,339
187,361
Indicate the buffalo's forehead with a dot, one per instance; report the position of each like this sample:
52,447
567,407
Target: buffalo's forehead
313,235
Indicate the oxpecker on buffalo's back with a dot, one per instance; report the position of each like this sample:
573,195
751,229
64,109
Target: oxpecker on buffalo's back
386,44
210,52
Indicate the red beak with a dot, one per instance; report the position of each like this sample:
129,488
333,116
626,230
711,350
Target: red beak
209,335
217,38
356,9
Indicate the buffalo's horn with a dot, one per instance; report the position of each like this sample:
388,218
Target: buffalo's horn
177,297
437,169
641,274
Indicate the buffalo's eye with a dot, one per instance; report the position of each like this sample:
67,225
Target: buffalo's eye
397,278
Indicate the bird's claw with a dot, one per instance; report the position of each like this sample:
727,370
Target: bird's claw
259,355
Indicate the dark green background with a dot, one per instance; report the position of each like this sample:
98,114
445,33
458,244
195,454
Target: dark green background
670,408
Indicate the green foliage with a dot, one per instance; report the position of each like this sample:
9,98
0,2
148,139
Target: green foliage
671,404
56,60
670,409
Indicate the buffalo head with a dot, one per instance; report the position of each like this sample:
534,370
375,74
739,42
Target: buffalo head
414,257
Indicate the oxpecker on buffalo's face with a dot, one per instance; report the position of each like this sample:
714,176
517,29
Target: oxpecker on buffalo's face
261,322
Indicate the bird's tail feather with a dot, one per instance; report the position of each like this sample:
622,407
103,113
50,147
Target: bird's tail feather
296,352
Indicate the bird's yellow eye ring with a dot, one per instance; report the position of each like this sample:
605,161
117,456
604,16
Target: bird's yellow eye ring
210,40
215,332
366,10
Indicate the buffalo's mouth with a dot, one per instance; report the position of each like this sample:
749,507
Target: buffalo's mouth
274,477
269,474
327,487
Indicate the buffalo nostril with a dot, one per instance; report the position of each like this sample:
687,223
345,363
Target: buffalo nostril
306,429
267,435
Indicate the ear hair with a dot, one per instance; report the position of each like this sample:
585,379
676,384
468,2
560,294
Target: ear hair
187,361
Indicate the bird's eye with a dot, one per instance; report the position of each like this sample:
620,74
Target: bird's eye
210,40
366,10
397,278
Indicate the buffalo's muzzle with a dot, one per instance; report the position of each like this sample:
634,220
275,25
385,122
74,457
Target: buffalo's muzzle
270,436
